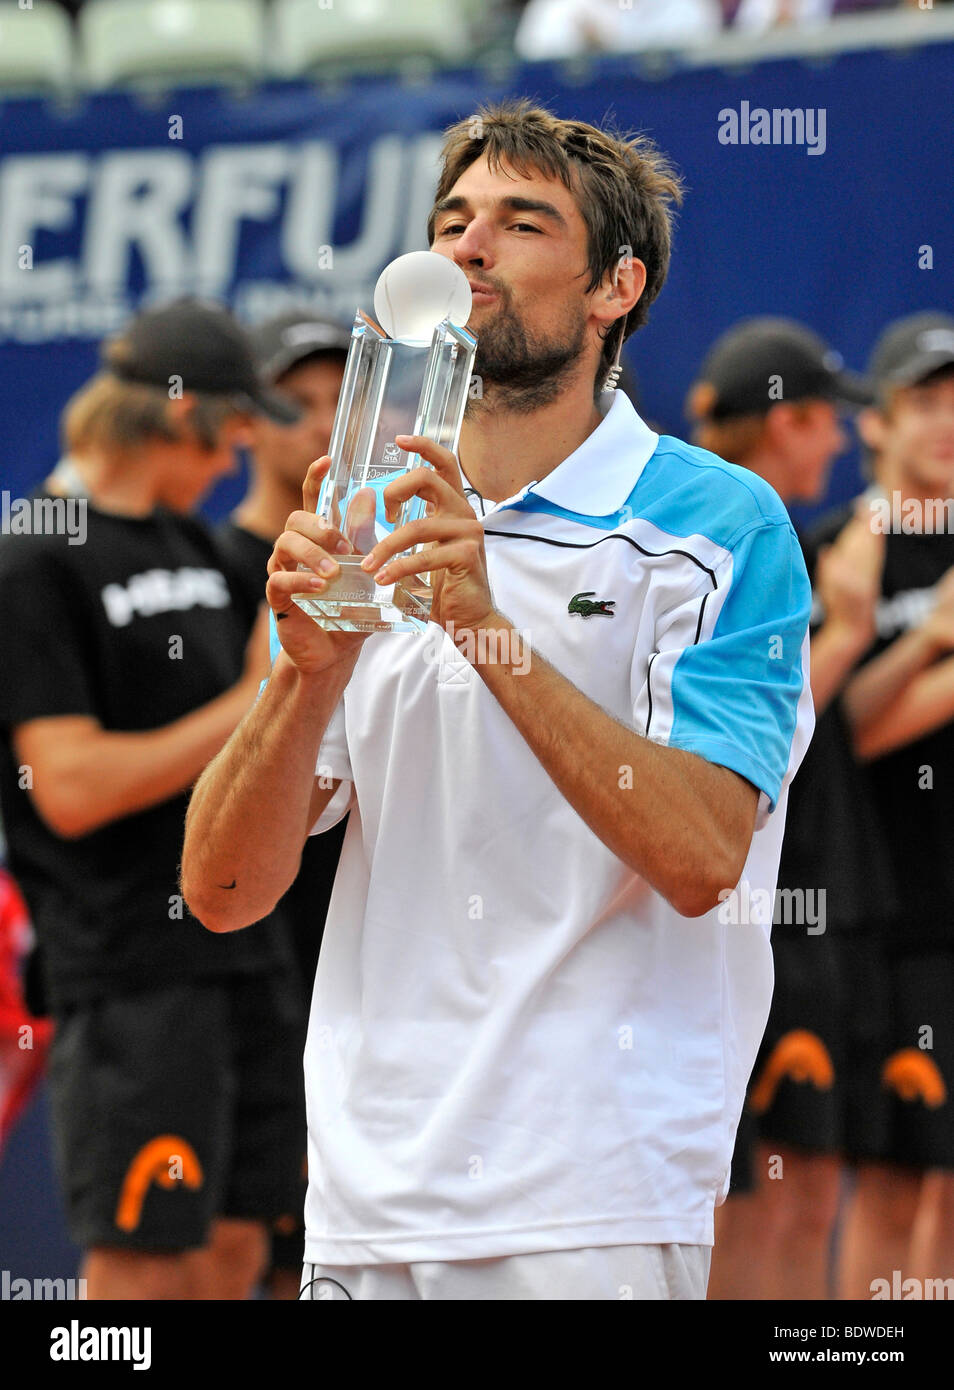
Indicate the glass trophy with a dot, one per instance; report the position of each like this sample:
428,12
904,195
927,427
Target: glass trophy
391,386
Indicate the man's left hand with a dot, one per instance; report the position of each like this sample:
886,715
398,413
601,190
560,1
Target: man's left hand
452,536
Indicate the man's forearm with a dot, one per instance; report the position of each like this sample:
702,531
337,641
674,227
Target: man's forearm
925,704
872,689
247,819
659,820
835,651
88,777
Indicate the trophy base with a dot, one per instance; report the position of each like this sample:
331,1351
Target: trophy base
354,603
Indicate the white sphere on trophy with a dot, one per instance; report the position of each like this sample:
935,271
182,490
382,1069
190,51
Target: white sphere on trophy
415,292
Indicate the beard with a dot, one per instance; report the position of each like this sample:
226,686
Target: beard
524,371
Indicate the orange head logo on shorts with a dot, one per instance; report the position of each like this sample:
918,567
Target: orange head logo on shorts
799,1055
167,1160
914,1076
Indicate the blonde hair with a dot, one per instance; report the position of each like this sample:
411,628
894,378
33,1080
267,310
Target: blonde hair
109,415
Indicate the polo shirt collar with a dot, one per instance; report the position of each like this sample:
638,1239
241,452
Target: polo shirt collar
598,477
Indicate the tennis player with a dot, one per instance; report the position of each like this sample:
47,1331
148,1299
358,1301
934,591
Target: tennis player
532,1027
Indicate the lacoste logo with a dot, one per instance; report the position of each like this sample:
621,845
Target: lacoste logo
584,605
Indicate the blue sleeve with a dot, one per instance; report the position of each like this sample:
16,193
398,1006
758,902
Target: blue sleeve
732,680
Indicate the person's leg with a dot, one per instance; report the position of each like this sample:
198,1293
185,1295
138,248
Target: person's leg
800,1209
740,1266
231,1264
738,1269
932,1239
138,1113
265,1186
876,1239
922,1069
136,1274
795,1093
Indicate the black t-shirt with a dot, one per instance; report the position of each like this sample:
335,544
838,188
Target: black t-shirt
305,905
136,627
833,837
915,820
247,556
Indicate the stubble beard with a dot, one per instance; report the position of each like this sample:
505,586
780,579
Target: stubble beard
519,371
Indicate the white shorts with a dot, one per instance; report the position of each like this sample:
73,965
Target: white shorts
619,1272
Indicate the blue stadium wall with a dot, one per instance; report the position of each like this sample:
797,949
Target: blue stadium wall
236,197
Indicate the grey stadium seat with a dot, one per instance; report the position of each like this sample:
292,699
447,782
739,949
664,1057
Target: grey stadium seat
308,36
164,42
36,48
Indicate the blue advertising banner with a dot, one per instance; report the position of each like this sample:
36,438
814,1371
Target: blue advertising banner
818,190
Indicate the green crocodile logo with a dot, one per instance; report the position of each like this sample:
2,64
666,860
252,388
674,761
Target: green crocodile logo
585,606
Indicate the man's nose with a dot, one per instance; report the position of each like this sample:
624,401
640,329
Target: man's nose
475,244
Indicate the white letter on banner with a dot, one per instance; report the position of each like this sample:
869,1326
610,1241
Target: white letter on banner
237,183
135,201
38,192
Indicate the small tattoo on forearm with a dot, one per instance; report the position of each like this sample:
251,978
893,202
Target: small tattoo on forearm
279,616
229,885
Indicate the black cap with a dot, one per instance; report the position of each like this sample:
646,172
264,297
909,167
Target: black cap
912,348
203,345
292,337
739,367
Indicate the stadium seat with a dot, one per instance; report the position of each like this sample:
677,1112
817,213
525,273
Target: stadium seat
36,48
168,42
310,35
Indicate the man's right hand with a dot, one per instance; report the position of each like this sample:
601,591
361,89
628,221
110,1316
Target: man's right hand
848,575
307,538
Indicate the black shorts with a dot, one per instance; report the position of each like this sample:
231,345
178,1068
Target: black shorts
846,1066
175,1106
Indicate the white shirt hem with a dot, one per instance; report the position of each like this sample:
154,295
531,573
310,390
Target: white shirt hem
406,1247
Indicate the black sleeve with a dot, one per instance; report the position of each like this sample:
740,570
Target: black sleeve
45,670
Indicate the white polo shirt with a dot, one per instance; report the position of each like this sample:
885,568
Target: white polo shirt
515,1044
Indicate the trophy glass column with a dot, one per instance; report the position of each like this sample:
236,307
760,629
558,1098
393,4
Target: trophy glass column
392,385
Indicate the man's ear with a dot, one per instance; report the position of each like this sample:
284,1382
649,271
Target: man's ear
619,290
179,410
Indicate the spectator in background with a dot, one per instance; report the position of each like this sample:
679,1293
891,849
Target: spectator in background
766,399
901,707
756,16
567,28
176,1063
301,355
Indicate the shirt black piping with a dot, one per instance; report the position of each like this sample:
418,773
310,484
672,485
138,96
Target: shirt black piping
653,554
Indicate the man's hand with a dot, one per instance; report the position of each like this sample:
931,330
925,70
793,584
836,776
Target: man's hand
453,538
307,539
848,576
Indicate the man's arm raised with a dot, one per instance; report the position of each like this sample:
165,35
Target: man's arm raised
254,804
